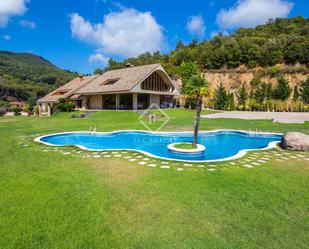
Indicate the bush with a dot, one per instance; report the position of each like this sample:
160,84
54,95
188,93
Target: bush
17,111
253,105
2,111
73,116
82,115
36,111
65,106
29,109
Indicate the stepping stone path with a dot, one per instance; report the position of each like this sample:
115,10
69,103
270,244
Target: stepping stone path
251,160
164,167
248,166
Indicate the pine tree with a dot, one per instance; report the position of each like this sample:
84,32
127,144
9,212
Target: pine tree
269,91
283,90
261,93
221,97
231,102
304,91
295,93
242,96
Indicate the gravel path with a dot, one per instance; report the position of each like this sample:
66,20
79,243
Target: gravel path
280,117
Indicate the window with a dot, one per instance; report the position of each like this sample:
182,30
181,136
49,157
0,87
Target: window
110,81
155,83
60,92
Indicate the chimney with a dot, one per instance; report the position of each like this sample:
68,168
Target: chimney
129,65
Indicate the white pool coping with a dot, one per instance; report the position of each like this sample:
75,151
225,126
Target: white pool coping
199,148
240,153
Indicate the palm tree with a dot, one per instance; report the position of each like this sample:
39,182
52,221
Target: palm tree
196,88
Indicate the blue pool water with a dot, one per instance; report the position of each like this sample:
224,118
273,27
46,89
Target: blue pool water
219,144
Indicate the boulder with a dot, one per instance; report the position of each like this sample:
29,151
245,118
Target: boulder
295,141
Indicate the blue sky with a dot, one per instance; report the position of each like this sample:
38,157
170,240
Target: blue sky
80,35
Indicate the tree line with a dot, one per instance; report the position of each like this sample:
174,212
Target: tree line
262,98
277,41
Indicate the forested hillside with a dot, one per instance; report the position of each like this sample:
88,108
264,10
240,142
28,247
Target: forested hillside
25,75
279,41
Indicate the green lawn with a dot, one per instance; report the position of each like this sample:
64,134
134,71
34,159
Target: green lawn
52,200
185,146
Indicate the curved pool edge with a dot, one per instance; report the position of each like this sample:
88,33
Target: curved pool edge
241,153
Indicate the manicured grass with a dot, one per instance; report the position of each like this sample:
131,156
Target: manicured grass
51,200
185,146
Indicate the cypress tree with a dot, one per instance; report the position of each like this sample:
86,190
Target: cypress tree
261,93
242,96
269,91
304,91
220,97
283,90
295,93
231,102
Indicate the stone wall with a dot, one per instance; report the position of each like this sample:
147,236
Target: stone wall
95,102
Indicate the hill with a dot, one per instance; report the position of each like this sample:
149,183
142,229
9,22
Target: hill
280,41
25,75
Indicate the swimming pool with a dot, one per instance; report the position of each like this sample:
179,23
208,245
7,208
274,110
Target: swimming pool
220,145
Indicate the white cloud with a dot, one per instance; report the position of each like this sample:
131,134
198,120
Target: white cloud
249,13
7,37
98,58
27,24
127,32
9,8
196,25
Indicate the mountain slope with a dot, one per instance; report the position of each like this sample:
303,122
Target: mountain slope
25,75
280,41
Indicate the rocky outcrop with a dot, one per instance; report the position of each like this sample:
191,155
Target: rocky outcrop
295,141
234,78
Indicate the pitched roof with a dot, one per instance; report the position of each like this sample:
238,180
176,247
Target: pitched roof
68,89
119,80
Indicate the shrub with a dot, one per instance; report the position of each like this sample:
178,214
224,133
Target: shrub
2,111
65,106
17,111
73,116
253,105
36,111
82,115
29,109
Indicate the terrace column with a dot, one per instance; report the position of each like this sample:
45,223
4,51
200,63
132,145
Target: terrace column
135,101
40,110
49,109
117,101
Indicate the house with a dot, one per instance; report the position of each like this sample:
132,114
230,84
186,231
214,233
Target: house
130,88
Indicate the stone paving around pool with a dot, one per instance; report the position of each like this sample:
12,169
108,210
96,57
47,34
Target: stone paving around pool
250,161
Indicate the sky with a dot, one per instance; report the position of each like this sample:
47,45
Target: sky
81,35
